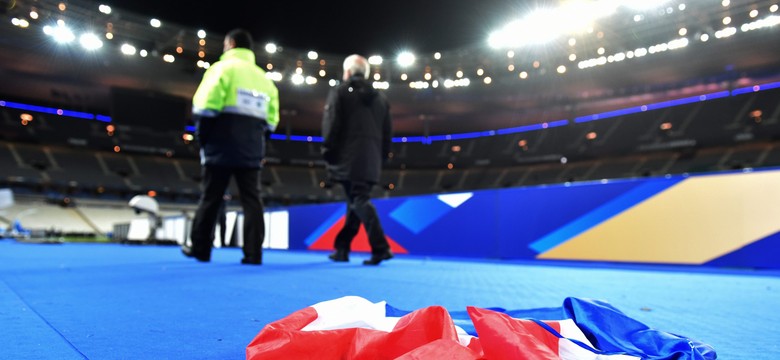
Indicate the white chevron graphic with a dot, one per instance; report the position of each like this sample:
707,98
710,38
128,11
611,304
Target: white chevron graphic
455,200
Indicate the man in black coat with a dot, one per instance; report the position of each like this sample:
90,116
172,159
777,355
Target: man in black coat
356,133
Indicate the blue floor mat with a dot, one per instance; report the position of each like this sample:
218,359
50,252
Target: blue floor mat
110,301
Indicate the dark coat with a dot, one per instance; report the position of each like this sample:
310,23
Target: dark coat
231,140
356,131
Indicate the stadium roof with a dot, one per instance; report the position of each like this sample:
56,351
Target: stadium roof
344,26
491,71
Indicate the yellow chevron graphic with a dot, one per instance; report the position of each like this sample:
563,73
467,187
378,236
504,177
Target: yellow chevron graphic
697,220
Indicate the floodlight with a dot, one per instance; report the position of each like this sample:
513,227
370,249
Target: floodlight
405,59
90,41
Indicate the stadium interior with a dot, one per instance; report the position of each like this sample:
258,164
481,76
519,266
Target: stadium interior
622,152
94,106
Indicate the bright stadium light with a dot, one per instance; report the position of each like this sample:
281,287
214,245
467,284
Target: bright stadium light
270,48
419,85
297,79
22,23
60,33
375,60
127,49
644,4
544,25
274,75
90,41
155,23
405,59
381,85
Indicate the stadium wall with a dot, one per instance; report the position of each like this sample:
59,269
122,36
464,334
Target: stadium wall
725,219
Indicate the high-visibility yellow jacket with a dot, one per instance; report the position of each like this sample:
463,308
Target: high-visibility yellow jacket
233,108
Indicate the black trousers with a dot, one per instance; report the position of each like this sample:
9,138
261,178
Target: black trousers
361,210
222,222
215,181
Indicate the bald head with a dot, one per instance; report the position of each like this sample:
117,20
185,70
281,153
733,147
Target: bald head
355,64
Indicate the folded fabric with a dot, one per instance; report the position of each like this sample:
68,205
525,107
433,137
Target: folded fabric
352,327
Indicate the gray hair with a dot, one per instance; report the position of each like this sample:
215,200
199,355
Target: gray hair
356,64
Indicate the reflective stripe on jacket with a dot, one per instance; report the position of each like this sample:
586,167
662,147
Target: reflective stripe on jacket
233,107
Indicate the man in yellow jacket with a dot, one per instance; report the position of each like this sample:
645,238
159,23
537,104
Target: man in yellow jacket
234,107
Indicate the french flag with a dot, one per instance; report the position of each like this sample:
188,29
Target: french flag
352,327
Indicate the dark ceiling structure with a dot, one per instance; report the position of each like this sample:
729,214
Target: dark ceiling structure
507,87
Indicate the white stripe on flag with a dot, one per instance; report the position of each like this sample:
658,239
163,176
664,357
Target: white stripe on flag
351,312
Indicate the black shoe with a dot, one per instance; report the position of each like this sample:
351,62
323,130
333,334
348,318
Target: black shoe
378,258
188,252
252,261
339,256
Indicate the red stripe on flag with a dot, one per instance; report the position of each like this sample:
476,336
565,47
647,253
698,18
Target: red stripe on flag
413,335
503,337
